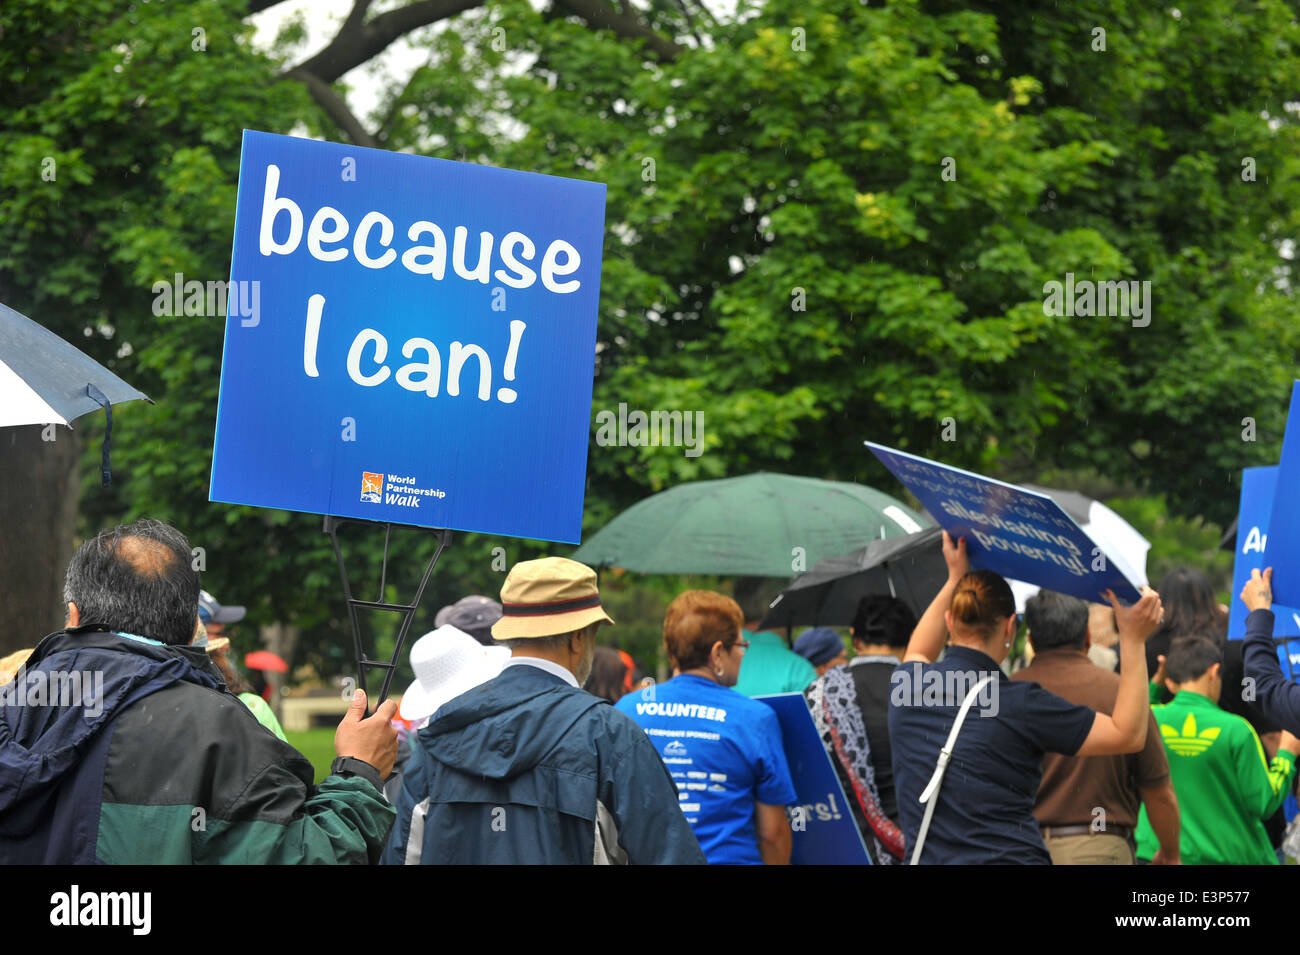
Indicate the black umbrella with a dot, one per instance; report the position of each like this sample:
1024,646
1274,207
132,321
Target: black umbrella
1078,506
910,568
1229,539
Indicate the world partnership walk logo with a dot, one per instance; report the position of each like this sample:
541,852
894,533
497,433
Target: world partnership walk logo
372,487
399,490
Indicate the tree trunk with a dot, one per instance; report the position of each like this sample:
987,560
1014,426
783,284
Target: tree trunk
38,519
281,640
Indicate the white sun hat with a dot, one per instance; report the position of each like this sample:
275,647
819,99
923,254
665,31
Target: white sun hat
447,662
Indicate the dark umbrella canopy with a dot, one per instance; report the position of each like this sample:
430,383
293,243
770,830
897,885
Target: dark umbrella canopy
44,380
1078,506
910,568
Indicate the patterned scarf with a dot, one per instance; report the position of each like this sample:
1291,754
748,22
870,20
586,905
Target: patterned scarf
833,700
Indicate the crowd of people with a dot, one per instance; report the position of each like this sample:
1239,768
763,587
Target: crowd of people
1134,733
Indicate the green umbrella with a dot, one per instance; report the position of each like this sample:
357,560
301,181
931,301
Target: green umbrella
760,525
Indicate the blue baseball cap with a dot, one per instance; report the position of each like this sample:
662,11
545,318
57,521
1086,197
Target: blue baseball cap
212,612
819,645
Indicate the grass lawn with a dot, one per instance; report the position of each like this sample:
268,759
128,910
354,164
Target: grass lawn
317,745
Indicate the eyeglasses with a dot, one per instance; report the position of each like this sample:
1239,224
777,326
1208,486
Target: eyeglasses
743,644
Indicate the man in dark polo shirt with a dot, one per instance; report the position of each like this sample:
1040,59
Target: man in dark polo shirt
1088,806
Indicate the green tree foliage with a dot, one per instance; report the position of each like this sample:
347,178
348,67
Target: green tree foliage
1200,199
827,222
120,128
143,131
801,160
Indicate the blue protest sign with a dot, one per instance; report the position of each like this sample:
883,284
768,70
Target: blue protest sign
1284,520
1288,654
1257,502
1018,533
420,342
821,823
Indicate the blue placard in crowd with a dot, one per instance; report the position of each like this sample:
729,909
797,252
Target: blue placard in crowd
409,340
1288,654
1284,520
1257,487
821,822
1018,533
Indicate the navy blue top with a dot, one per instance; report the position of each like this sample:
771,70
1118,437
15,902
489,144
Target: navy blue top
1277,696
985,808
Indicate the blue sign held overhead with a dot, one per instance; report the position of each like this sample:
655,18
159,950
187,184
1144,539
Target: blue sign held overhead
1257,502
1284,520
1258,486
420,343
1018,533
821,823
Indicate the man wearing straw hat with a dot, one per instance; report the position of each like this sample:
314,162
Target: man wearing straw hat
529,768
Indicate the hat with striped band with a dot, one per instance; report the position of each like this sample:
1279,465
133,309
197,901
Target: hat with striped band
548,597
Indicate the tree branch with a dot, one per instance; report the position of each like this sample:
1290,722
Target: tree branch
707,12
257,6
334,105
690,22
357,42
356,16
599,14
385,125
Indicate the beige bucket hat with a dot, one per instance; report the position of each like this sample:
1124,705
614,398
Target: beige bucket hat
548,597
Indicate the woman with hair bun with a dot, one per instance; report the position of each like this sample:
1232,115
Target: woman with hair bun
981,808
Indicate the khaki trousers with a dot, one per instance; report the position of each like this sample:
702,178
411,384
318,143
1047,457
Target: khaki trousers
1102,848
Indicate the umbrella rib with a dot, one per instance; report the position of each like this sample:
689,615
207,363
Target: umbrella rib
785,524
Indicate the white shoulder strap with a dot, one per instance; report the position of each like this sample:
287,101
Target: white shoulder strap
929,798
415,839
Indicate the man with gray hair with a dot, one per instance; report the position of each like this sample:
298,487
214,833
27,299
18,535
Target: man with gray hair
1087,806
165,766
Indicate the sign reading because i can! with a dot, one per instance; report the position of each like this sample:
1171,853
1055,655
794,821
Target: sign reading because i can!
423,348
1018,533
1283,518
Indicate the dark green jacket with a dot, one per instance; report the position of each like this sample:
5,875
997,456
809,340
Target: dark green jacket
118,750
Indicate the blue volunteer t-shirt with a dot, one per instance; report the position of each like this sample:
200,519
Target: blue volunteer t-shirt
725,753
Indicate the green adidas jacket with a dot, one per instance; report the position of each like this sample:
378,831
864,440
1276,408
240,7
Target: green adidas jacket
1226,787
